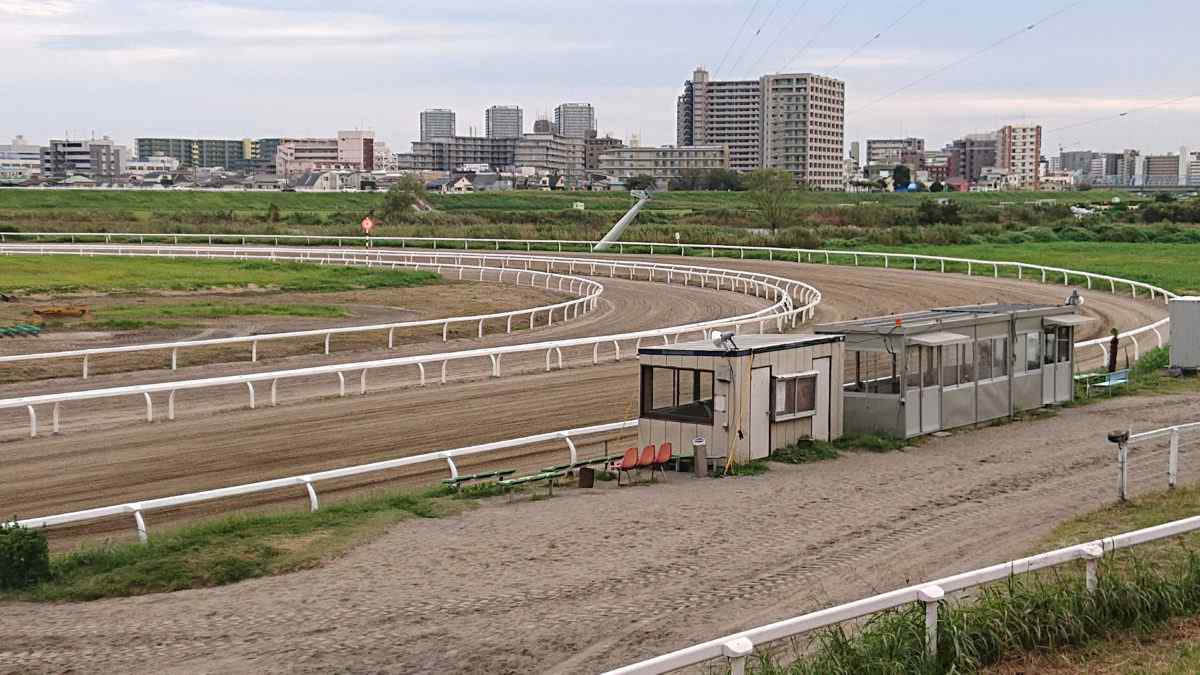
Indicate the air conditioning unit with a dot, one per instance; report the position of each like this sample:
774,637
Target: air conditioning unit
1185,333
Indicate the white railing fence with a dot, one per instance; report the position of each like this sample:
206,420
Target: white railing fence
587,290
737,647
1174,437
782,312
572,439
971,266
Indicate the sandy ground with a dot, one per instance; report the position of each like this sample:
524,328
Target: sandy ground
598,578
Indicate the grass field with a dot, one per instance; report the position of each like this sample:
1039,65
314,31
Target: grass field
181,315
63,274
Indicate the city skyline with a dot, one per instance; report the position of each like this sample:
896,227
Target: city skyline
158,80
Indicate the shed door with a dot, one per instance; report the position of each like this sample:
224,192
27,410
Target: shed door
931,389
760,413
820,421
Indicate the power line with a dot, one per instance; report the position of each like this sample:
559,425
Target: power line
756,34
972,55
783,31
737,37
816,34
1127,113
858,50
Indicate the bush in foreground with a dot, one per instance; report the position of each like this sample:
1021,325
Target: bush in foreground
24,557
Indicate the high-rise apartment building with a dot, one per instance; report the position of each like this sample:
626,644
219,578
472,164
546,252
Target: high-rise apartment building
575,120
356,149
893,151
1161,170
451,153
1019,151
504,121
1076,161
552,153
790,121
594,147
95,159
437,123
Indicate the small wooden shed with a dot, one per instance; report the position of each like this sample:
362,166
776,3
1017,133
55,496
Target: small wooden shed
755,395
919,372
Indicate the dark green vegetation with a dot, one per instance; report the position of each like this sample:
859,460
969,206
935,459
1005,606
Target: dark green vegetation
64,274
804,452
229,549
133,317
1140,591
24,558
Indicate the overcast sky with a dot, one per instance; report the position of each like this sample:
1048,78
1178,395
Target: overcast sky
255,68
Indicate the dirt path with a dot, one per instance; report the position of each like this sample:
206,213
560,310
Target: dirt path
594,579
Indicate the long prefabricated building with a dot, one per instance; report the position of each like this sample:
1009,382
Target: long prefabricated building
761,393
920,372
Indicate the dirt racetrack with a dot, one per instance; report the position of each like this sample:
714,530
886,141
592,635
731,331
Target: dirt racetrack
109,454
595,579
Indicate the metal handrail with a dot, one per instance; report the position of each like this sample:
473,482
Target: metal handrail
737,646
138,508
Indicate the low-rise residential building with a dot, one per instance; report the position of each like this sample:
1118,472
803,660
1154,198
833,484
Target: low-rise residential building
100,160
552,154
1161,170
356,149
20,161
594,147
453,152
663,163
892,151
296,156
159,164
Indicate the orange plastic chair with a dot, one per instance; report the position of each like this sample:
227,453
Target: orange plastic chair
660,460
626,465
646,460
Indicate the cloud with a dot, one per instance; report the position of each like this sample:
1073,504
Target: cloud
39,9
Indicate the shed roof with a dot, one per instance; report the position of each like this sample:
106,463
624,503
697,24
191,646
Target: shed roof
924,321
745,345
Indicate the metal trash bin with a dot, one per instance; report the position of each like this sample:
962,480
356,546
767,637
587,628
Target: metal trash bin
700,456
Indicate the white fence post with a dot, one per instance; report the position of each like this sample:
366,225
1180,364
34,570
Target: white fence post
313,503
1123,462
1173,459
931,596
140,523
737,651
1092,553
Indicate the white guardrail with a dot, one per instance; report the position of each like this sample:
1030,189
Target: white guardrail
771,287
589,292
737,647
798,254
1173,434
308,481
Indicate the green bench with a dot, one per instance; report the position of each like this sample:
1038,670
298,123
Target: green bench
457,482
582,463
21,330
547,476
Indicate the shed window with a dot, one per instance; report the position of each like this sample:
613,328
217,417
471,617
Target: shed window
795,396
677,394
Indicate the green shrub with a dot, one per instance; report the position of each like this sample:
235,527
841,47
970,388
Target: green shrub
24,557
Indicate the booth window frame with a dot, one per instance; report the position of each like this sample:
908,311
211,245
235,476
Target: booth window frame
648,411
784,416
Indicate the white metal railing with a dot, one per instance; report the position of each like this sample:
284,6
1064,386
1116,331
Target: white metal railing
737,647
1173,434
780,290
827,256
137,509
587,290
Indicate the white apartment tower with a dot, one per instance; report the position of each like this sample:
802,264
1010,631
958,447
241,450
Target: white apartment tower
1019,151
575,120
437,123
504,121
790,121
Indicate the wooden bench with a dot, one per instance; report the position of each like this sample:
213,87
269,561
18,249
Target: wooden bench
547,476
457,483
21,330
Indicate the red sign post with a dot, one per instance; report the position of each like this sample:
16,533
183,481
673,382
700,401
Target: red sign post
367,225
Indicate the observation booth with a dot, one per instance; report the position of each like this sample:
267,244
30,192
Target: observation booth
750,394
916,373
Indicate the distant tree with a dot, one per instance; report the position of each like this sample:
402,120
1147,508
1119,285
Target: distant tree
688,179
399,200
932,213
639,182
272,213
937,186
723,179
773,193
1164,198
901,177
